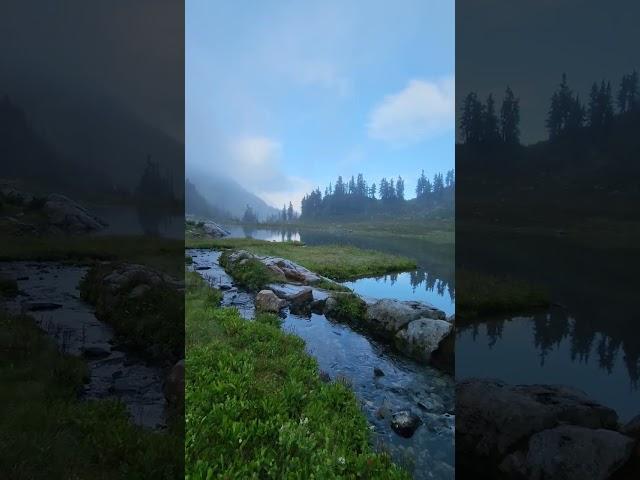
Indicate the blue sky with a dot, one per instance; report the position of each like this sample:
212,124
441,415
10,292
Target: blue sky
284,96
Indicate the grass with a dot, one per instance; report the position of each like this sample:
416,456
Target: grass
256,407
481,294
338,262
332,286
348,307
47,432
151,323
160,253
440,231
250,273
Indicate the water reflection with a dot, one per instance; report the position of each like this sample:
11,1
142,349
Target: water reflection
433,282
129,220
553,347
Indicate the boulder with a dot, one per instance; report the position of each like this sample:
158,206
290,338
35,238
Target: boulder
570,452
317,306
68,216
420,338
388,316
495,419
291,270
174,385
213,229
267,301
632,428
300,302
405,423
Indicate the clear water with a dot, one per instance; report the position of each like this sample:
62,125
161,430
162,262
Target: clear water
416,285
339,350
433,282
549,348
119,374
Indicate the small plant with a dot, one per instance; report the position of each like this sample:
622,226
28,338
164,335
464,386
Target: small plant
249,272
348,307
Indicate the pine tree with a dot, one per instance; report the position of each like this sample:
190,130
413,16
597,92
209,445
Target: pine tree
372,191
510,118
290,212
400,188
490,133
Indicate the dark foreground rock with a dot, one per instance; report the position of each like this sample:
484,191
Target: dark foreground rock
174,385
535,432
405,423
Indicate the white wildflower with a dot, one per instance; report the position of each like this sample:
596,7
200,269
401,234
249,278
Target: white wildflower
341,460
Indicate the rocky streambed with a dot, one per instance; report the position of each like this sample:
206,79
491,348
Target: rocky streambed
49,293
408,402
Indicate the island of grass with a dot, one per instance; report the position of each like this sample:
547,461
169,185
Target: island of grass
256,406
481,294
337,262
64,436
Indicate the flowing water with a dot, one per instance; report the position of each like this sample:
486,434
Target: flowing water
49,293
405,385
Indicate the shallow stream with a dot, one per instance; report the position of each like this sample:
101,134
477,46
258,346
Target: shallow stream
405,385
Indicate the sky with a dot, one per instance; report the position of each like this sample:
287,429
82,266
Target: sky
284,96
528,44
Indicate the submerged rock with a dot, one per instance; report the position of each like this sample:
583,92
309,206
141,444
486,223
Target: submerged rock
405,423
96,352
40,306
267,301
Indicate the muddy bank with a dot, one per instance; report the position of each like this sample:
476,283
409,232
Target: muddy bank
49,293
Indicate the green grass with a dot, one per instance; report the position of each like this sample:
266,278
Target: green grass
349,307
151,323
481,294
47,432
250,273
338,262
332,286
440,231
160,253
256,407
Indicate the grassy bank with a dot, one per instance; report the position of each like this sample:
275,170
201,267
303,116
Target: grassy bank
338,262
438,231
150,323
480,294
160,253
47,432
256,407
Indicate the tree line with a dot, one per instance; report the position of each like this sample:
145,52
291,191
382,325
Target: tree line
357,196
481,124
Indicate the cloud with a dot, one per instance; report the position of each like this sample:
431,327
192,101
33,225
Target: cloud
256,164
421,111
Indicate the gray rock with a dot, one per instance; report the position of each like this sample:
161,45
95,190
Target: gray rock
317,306
387,316
405,423
632,428
174,385
291,270
267,301
69,216
213,229
422,337
493,417
139,291
569,452
40,306
95,352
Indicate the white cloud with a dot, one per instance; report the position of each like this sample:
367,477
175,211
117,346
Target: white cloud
421,111
255,163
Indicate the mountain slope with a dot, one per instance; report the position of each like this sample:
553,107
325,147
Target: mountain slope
227,195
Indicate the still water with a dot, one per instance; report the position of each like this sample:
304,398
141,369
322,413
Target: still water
433,281
550,348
